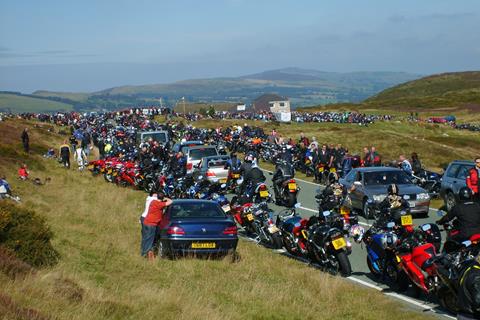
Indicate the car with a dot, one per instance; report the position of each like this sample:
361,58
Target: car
213,168
184,145
196,153
196,227
453,180
371,183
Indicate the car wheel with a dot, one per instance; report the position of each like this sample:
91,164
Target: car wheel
162,252
450,201
367,213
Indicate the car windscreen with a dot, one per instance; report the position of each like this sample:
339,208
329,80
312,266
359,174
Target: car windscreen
195,210
385,178
197,154
156,136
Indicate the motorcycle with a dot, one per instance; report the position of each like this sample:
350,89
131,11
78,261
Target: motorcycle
288,193
294,231
264,227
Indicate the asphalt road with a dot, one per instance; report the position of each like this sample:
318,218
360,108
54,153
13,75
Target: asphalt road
361,274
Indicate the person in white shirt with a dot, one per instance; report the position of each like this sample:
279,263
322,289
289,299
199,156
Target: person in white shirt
81,157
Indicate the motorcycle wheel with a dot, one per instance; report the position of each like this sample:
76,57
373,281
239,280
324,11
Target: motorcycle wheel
448,300
344,266
287,243
397,279
276,241
290,200
372,269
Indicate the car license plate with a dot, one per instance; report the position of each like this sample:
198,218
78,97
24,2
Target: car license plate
333,170
407,220
250,217
264,194
292,186
273,229
204,245
226,208
339,243
320,169
236,175
223,180
344,210
411,204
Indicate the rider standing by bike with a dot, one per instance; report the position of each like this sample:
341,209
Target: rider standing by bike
466,215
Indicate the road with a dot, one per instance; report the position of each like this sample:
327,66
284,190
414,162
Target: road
361,274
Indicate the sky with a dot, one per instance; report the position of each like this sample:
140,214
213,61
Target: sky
91,45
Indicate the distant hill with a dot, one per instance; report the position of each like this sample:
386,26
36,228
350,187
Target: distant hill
302,86
459,90
18,103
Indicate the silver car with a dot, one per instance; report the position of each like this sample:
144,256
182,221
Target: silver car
371,183
213,169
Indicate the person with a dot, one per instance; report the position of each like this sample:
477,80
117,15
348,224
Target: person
466,215
233,163
393,202
73,142
23,172
283,171
65,154
374,157
416,164
252,177
366,157
469,292
80,156
303,139
473,179
151,221
405,165
26,140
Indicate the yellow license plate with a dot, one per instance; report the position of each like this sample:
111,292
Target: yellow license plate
344,210
292,186
339,243
398,259
333,170
236,175
307,162
90,166
250,217
204,245
264,194
109,171
407,220
321,169
223,180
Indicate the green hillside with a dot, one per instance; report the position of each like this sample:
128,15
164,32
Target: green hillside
19,103
74,96
460,90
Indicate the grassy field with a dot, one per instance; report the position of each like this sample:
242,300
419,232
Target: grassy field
101,276
19,104
74,96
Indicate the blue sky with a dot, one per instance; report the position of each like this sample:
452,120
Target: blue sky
104,43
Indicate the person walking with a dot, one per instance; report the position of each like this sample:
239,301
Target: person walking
156,203
81,157
26,140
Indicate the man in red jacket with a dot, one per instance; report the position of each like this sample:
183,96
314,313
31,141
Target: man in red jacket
473,181
156,204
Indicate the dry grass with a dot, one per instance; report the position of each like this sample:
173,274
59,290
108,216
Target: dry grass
102,276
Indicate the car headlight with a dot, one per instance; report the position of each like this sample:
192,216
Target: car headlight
379,197
423,196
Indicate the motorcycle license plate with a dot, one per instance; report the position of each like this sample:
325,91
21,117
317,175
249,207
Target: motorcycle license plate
226,208
250,217
204,245
339,243
398,259
264,194
321,169
333,170
236,175
307,162
109,171
292,186
90,167
407,220
223,180
344,210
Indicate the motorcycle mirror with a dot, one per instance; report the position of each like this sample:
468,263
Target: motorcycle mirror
326,213
467,243
426,227
390,225
298,205
406,197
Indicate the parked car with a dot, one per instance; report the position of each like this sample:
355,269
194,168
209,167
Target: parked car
196,227
371,184
213,168
196,153
453,180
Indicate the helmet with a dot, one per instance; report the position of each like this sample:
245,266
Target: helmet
388,239
357,232
249,158
465,194
392,189
333,177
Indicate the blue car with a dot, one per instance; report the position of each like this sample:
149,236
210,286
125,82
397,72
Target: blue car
196,227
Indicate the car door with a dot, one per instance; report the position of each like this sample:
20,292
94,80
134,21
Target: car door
460,178
449,179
